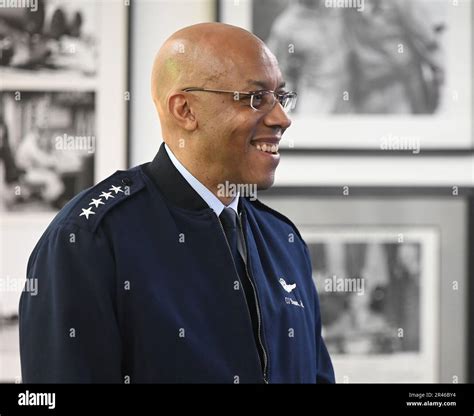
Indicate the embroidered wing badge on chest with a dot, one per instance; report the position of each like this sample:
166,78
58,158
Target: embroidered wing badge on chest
289,288
286,286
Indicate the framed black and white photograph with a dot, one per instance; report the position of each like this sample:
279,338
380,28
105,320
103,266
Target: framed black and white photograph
51,38
48,146
373,74
378,290
102,27
392,269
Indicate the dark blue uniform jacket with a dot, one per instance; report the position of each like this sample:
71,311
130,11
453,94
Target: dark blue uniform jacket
136,283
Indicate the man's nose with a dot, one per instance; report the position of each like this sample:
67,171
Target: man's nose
277,117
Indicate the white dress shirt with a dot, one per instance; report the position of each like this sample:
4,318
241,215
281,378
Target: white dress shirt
203,192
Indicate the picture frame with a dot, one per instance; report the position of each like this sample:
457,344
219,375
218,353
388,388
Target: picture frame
358,127
60,72
438,220
379,311
70,82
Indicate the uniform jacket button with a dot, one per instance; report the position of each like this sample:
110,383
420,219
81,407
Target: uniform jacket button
126,181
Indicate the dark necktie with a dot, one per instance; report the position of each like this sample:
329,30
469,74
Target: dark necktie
229,222
232,229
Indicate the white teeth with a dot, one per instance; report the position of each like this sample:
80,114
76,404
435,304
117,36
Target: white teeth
269,148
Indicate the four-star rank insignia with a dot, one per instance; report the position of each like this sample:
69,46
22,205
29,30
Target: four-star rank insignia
104,196
112,193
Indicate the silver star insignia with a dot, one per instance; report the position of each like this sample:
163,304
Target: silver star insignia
107,195
116,189
97,202
87,212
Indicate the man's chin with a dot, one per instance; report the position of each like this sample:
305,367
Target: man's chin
265,184
252,186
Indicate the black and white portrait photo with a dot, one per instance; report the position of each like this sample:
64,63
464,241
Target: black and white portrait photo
49,36
377,57
47,146
376,288
368,291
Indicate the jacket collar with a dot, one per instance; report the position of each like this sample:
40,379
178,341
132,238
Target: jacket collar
172,184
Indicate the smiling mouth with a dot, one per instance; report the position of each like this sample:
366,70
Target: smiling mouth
271,148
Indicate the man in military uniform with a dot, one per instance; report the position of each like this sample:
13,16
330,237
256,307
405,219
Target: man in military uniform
152,275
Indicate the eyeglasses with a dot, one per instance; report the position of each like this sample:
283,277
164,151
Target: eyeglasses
262,100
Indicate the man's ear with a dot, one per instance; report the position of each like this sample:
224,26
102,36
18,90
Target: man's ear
179,108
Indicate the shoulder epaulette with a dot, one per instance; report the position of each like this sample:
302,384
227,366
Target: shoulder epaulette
89,207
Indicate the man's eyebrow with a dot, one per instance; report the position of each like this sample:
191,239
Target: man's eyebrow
263,85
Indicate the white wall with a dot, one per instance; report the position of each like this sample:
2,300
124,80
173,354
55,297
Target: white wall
153,21
333,170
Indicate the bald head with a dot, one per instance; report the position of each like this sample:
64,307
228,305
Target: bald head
205,54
